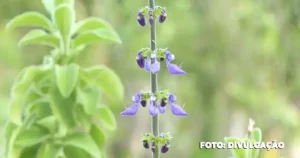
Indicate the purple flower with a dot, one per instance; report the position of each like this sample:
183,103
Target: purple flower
164,149
151,20
152,67
153,108
140,60
176,109
173,68
162,16
132,110
141,19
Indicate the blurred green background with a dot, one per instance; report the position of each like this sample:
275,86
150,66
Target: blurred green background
242,58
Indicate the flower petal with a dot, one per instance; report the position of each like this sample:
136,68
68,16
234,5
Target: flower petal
155,67
161,109
169,56
177,110
131,110
147,64
172,98
175,70
137,98
153,110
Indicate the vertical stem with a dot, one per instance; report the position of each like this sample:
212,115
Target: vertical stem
154,86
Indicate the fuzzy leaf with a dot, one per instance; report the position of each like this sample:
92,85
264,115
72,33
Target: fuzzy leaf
107,118
35,19
83,118
98,136
84,142
32,136
99,35
106,79
66,78
48,150
13,151
237,153
62,108
74,152
39,37
64,20
88,98
49,5
30,152
48,123
91,24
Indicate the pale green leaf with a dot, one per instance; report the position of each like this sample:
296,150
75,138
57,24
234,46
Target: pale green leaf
256,135
82,118
49,5
106,117
48,123
32,136
48,150
69,2
39,37
90,24
88,98
35,19
95,36
98,136
74,152
62,108
84,142
64,18
237,153
106,79
13,151
66,78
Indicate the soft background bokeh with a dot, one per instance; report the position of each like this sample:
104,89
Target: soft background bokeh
242,59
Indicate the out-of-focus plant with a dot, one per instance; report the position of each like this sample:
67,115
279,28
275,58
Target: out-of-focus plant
150,59
55,109
254,135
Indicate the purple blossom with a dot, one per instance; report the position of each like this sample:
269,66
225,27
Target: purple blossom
173,68
153,108
151,20
140,60
162,16
132,110
141,19
176,109
152,67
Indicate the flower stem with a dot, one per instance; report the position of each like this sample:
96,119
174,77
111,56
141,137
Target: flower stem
154,86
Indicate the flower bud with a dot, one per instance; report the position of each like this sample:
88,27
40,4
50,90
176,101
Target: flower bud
163,102
151,20
146,144
144,103
140,60
153,147
165,148
141,19
161,59
163,16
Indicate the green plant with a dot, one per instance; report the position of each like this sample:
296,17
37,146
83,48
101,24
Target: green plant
55,109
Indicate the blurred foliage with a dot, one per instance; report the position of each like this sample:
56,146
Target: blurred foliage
241,57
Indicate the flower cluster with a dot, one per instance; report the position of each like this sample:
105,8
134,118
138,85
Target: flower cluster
159,12
163,140
157,104
151,61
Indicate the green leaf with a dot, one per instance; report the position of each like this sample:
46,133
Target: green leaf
48,123
64,18
83,118
62,108
256,135
106,117
88,98
69,2
91,24
49,5
30,19
237,153
106,79
95,36
39,37
74,152
66,78
98,136
48,150
30,152
13,151
32,136
84,142
9,129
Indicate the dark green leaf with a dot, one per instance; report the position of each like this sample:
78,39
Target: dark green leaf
95,36
106,117
66,78
39,37
84,142
30,152
74,152
62,108
30,19
88,98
